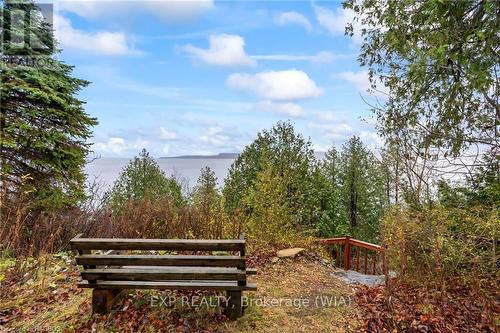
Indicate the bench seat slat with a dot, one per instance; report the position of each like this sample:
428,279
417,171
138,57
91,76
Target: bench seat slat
160,260
157,244
165,273
109,269
180,285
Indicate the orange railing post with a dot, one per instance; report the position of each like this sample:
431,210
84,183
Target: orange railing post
344,244
366,260
357,257
347,253
338,254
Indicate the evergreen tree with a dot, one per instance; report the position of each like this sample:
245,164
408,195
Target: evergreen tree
391,163
352,191
43,126
333,217
206,199
206,192
270,219
363,189
291,158
485,183
143,178
481,188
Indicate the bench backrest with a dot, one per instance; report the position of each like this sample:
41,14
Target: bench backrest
115,262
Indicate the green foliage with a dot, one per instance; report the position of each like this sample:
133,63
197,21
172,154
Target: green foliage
333,220
206,193
269,221
482,187
485,183
352,194
440,61
291,158
143,178
343,195
207,202
43,126
442,242
363,189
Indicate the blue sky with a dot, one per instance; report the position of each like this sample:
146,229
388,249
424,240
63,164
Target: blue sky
204,77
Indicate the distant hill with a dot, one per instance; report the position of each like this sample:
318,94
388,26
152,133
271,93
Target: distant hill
218,156
318,154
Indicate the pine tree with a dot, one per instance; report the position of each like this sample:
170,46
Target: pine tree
142,178
352,189
206,199
270,219
333,220
291,157
43,126
363,189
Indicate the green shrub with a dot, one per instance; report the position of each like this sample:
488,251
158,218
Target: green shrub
269,221
142,178
439,243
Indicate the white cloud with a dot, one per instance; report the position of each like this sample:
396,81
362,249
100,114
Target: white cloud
323,57
113,145
174,11
104,42
215,136
337,132
361,81
178,11
320,57
223,50
111,77
119,146
276,85
336,21
166,150
331,116
337,127
371,139
166,134
289,109
293,18
89,9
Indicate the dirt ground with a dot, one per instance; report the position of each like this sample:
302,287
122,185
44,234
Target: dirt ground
294,295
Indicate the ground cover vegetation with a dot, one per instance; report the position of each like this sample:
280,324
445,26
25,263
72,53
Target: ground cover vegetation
431,195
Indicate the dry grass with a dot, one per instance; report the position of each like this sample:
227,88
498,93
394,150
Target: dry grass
46,297
50,301
26,231
300,279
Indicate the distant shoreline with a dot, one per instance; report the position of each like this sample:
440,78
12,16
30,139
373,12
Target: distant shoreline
218,156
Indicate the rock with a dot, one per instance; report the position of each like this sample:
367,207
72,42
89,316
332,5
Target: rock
324,262
290,253
356,277
274,259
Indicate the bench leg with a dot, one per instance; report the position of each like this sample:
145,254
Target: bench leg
234,309
103,299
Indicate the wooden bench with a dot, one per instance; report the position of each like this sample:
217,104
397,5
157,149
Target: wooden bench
117,266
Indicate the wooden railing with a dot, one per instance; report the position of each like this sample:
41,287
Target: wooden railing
346,252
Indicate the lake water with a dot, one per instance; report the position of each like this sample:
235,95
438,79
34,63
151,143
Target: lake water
106,170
